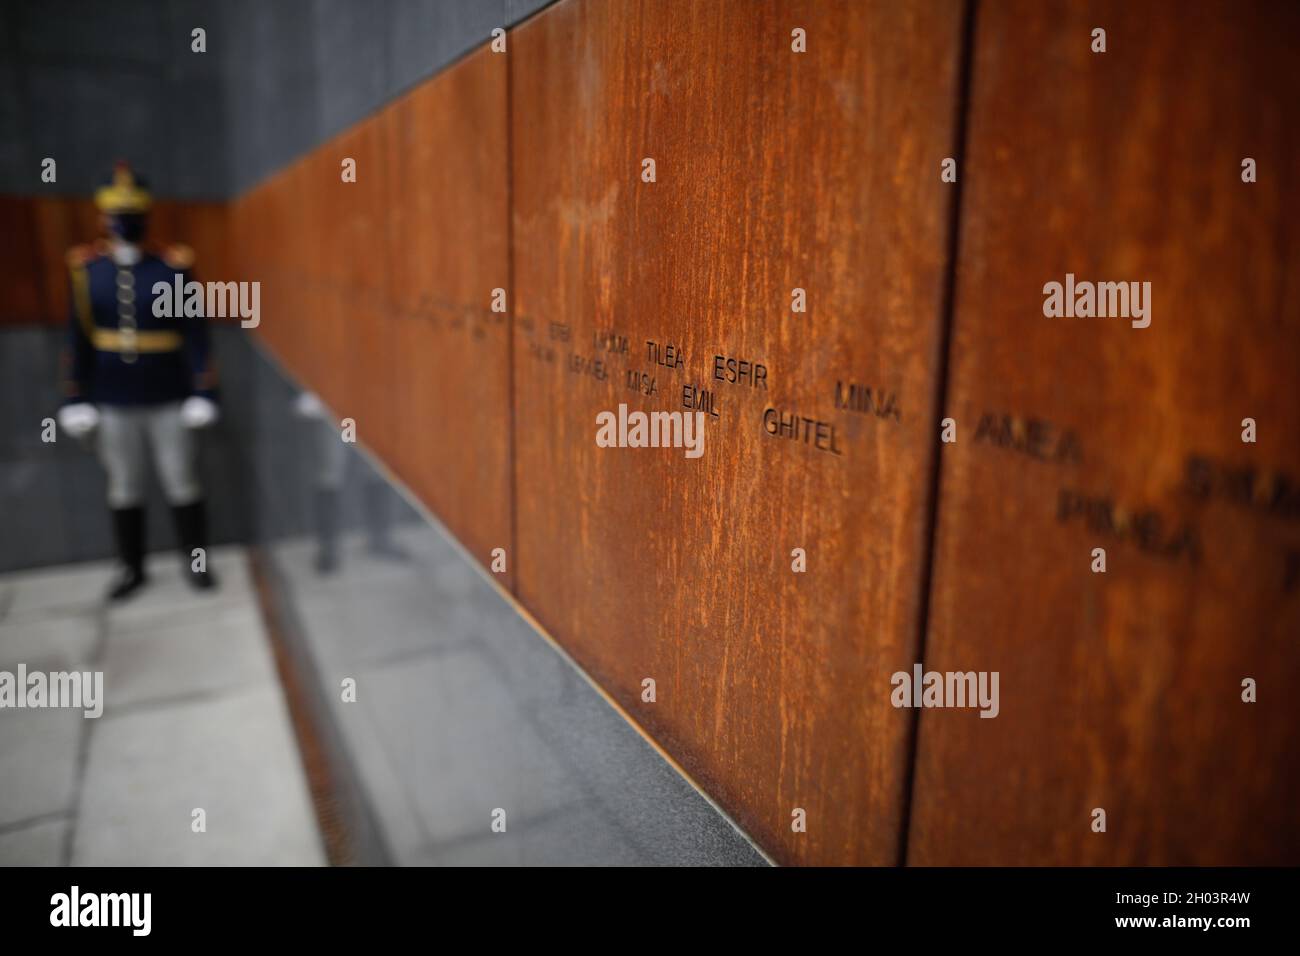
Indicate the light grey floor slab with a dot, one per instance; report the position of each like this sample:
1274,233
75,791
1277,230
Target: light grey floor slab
38,762
38,844
169,598
233,757
221,649
57,642
194,718
69,589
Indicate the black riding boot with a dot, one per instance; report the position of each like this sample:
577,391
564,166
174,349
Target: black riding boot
128,529
327,530
192,530
379,521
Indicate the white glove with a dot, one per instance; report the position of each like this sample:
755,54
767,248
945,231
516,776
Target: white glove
308,405
198,412
78,419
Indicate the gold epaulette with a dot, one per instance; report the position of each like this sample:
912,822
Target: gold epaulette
78,258
178,256
85,254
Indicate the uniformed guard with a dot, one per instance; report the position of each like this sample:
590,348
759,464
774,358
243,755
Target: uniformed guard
144,381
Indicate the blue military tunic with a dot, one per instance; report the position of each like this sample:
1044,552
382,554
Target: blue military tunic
119,352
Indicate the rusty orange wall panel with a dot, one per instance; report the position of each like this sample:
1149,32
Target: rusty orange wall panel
775,170
22,285
1122,690
61,223
243,245
352,325
277,235
305,327
450,376
204,227
378,292
310,324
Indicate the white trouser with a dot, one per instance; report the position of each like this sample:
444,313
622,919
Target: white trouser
124,431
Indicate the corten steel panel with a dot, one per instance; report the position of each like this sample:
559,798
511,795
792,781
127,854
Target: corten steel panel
277,231
248,249
356,333
450,376
1122,690
320,334
204,227
258,245
61,223
775,170
253,235
377,293
303,325
22,286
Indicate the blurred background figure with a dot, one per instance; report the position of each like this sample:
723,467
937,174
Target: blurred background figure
137,384
328,456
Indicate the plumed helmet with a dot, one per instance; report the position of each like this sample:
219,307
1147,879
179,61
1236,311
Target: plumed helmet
124,194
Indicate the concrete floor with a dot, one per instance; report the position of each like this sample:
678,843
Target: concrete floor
462,709
194,718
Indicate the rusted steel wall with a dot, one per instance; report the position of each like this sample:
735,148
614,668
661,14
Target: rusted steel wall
1122,690
786,178
774,171
378,291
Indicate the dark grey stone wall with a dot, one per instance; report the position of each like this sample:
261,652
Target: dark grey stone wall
87,82
302,71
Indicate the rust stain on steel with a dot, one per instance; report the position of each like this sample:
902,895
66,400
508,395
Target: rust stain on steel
775,171
1122,690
